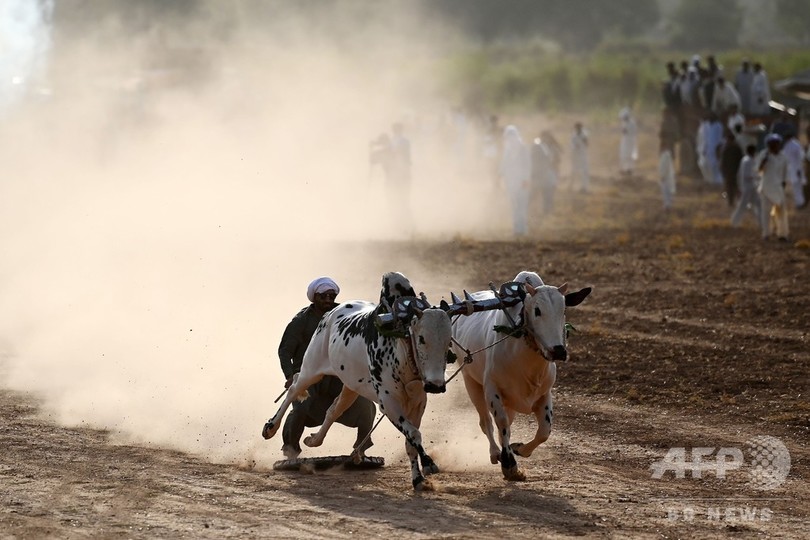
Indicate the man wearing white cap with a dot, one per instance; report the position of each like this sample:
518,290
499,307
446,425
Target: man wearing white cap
312,411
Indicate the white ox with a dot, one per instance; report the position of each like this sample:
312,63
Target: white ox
516,374
394,371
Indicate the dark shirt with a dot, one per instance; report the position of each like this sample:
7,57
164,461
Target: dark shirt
296,338
730,158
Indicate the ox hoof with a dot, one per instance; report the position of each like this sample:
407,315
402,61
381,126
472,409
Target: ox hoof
290,452
516,448
421,483
430,469
269,430
312,441
514,475
495,458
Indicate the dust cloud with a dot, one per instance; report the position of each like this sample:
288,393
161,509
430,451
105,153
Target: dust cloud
161,218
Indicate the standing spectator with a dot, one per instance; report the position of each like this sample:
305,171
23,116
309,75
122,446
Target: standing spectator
668,135
760,93
311,412
773,169
690,87
742,81
671,87
730,157
544,177
516,170
689,124
709,78
724,97
628,150
711,139
747,184
555,151
579,158
795,157
735,118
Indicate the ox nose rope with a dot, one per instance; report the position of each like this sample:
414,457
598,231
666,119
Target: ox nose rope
468,355
361,444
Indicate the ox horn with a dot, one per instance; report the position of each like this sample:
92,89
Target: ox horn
507,296
530,289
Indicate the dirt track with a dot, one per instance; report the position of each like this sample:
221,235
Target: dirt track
695,335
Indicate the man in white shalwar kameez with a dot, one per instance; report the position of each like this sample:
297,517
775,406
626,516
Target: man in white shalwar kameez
628,150
747,179
760,93
516,170
725,95
795,156
579,158
712,134
742,81
773,170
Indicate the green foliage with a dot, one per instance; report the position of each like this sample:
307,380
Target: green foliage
714,25
522,78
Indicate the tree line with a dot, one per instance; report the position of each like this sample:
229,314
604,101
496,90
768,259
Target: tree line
577,25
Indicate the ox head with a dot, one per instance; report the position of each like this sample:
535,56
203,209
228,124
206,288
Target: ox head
544,316
428,329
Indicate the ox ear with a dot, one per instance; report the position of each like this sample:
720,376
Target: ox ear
576,298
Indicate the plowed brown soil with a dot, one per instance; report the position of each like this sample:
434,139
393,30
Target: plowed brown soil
696,334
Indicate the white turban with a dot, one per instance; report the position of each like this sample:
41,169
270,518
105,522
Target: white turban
321,285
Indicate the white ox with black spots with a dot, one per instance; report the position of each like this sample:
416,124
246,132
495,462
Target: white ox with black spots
394,371
516,375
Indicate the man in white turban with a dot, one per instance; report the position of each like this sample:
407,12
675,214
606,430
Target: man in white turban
312,411
320,286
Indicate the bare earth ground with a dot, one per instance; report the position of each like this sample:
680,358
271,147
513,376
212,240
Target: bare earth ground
695,335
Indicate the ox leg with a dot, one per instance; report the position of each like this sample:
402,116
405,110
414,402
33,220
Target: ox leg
338,407
476,393
428,465
413,442
298,388
503,421
420,483
544,413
